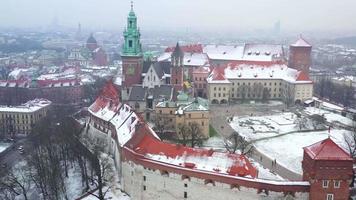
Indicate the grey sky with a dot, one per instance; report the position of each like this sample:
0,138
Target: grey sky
237,15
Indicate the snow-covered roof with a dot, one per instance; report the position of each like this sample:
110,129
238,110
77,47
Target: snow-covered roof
224,52
190,59
28,107
108,108
247,52
246,71
301,42
327,150
190,158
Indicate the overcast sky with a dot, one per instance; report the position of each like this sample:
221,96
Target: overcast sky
237,15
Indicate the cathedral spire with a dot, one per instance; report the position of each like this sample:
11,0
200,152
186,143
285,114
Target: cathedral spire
132,45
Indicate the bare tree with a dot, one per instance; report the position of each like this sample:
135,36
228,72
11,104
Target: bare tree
104,174
301,122
317,121
16,182
350,140
236,142
195,134
183,133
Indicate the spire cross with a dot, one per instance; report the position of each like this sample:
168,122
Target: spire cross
131,5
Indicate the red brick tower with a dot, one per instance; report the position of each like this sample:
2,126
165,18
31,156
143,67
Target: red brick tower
300,55
177,68
328,168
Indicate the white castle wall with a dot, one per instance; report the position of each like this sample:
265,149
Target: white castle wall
156,186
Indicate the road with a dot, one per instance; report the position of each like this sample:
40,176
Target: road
12,156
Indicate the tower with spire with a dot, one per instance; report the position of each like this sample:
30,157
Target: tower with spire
132,57
177,68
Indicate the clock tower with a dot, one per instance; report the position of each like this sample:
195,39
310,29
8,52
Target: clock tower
132,57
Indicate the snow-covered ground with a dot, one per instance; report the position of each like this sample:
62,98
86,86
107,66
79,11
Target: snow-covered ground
4,146
253,128
288,149
112,194
330,116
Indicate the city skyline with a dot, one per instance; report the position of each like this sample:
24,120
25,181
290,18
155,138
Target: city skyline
199,15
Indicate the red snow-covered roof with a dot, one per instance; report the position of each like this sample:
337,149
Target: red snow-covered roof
302,76
109,96
50,82
201,70
193,48
109,91
148,145
327,150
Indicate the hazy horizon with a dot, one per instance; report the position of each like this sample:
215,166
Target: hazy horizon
198,15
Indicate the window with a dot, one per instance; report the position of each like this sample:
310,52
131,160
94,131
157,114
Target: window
330,197
336,184
185,185
214,88
144,188
144,178
130,43
185,195
325,184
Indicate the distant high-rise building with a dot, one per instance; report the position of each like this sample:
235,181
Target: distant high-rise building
78,35
132,57
277,27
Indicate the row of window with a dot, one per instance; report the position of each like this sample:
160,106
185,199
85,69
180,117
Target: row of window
326,183
249,83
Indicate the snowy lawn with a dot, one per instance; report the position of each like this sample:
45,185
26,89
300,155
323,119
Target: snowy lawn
288,149
330,116
112,194
4,146
253,128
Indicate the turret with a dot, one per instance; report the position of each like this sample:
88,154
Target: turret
300,55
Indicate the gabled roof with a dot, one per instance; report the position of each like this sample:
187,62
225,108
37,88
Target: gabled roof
301,42
192,48
109,91
138,93
327,150
217,76
302,76
163,91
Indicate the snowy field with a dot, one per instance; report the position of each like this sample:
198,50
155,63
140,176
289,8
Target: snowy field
4,146
112,194
288,149
253,128
330,116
